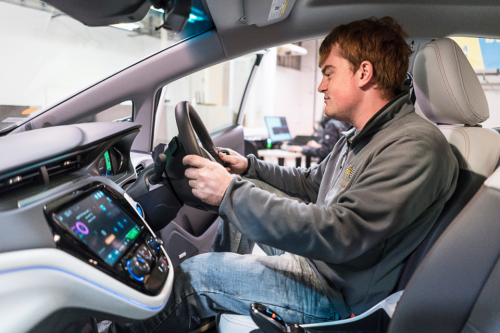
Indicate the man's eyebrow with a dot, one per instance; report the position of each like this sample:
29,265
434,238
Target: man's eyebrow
327,67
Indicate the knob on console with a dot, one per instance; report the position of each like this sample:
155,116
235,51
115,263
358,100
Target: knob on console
138,268
155,242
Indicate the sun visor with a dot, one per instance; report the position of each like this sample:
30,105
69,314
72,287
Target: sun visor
96,13
266,12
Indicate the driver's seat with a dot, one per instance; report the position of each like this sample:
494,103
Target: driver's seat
451,96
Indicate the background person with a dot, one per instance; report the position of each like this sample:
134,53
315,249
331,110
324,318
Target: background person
331,134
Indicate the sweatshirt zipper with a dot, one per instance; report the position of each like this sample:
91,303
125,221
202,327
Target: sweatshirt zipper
349,142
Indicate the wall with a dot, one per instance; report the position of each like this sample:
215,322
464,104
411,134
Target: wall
280,91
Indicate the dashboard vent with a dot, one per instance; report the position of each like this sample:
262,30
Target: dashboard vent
15,180
139,168
42,173
62,166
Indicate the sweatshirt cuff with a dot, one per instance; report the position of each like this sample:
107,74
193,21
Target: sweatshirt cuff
226,199
248,166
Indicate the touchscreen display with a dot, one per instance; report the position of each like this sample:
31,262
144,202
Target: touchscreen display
101,224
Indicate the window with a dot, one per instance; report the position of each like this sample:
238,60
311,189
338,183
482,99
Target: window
121,112
48,56
215,93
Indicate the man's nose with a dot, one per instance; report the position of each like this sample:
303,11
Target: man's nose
322,85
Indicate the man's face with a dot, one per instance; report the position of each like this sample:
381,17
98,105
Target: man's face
339,86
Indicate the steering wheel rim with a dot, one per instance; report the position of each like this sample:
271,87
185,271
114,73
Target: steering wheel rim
189,125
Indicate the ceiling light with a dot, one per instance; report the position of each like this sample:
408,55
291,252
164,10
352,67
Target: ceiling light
126,26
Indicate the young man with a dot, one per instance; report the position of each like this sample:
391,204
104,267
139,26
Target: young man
347,224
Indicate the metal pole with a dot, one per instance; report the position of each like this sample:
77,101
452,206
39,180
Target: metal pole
315,80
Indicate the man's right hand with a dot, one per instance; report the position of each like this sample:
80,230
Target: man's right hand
237,163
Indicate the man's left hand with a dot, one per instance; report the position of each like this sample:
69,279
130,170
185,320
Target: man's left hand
208,179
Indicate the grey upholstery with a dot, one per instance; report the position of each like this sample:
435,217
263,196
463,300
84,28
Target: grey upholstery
444,286
477,149
450,95
446,86
453,278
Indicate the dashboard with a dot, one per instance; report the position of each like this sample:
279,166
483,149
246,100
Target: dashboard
71,237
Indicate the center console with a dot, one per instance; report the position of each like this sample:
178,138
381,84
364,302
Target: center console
99,226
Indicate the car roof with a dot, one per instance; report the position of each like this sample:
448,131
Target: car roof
310,19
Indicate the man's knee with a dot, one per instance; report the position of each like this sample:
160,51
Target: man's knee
199,272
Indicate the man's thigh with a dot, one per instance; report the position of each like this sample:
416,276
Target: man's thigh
231,282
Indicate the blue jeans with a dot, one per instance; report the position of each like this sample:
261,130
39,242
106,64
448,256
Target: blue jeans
213,282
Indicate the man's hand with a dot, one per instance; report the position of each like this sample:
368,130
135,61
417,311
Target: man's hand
313,144
208,179
237,163
295,149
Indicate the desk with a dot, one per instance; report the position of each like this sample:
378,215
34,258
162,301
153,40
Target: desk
282,155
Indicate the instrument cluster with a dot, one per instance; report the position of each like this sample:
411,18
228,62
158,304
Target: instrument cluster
111,162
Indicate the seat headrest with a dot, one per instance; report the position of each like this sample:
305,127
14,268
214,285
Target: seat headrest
447,88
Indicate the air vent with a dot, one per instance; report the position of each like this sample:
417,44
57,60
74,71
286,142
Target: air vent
139,168
42,173
63,166
31,177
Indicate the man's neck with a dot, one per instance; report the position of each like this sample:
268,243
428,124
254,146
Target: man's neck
367,108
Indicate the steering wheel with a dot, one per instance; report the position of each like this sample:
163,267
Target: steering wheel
189,123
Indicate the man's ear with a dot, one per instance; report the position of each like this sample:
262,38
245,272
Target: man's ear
365,74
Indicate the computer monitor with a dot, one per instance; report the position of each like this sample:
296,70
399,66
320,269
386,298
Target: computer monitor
277,129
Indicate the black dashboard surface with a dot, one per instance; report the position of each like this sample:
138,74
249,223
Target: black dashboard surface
27,148
22,219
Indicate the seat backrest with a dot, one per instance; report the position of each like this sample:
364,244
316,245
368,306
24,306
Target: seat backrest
450,95
456,288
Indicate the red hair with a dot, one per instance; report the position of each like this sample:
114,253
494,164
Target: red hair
382,42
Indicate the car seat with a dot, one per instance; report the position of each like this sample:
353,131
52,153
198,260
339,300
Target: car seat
450,95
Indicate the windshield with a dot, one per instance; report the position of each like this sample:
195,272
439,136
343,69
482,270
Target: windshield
48,56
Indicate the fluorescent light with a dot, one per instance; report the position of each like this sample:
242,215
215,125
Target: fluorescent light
126,26
157,10
193,18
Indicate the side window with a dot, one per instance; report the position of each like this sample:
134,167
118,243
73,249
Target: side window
215,93
122,112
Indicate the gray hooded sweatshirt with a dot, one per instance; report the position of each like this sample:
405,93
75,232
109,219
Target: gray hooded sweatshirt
366,207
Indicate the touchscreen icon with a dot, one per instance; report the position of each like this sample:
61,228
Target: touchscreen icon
80,228
110,239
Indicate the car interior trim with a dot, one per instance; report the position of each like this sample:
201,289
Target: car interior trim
145,306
